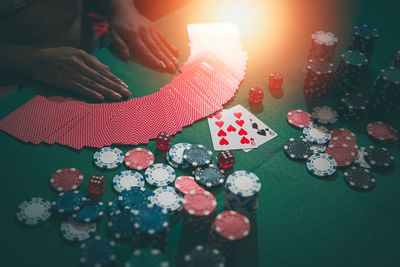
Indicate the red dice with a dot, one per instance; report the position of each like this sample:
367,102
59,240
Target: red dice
256,94
97,184
164,141
275,80
226,159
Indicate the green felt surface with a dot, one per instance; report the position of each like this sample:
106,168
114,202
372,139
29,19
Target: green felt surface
302,220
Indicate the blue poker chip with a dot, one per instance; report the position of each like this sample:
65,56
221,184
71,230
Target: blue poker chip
206,256
197,155
120,224
175,155
243,184
160,175
148,257
135,198
321,165
34,211
209,175
113,205
108,158
127,179
316,134
69,202
151,220
74,231
90,213
98,251
166,198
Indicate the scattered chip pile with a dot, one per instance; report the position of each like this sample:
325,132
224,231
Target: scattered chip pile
363,39
386,91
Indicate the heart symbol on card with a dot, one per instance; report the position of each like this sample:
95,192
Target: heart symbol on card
240,122
221,133
223,142
218,116
244,140
242,132
262,132
231,129
238,115
219,123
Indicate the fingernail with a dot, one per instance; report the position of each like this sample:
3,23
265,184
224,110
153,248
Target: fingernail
126,92
107,67
163,65
117,95
175,60
99,97
122,83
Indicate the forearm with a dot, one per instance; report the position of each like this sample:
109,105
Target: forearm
14,59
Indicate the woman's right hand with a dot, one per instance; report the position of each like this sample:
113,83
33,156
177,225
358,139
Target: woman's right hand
75,70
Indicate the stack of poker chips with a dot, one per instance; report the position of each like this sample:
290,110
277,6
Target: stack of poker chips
147,257
227,232
363,39
168,199
241,193
318,79
323,45
351,68
204,256
396,60
150,228
353,106
199,210
386,92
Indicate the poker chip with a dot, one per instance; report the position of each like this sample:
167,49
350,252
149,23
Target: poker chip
113,205
147,257
160,175
382,131
108,158
232,225
360,159
185,184
317,148
34,211
243,183
321,165
378,157
316,134
66,179
139,158
298,148
69,202
98,251
359,178
90,213
197,155
209,176
127,179
325,115
74,231
151,220
344,152
120,224
199,203
299,118
204,256
175,155
135,198
166,198
341,133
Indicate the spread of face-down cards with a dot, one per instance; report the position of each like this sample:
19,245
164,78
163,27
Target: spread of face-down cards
236,128
209,78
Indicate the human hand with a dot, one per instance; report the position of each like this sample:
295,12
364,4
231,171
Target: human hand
75,70
136,38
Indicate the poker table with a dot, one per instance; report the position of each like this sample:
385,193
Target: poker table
302,220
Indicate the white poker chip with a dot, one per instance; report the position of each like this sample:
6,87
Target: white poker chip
321,165
124,180
74,231
34,211
166,198
108,158
317,134
243,183
360,159
325,115
175,155
159,175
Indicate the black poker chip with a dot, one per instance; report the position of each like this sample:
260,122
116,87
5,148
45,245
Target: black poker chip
197,155
378,157
359,178
298,148
209,176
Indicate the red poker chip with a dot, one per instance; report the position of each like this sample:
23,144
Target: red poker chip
232,225
199,203
299,118
66,179
344,152
382,131
139,158
186,184
343,134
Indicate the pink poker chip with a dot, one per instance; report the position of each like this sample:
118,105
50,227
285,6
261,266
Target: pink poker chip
299,118
186,184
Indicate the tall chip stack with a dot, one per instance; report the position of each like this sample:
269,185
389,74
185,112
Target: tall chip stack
241,193
386,92
323,45
199,210
396,60
352,66
318,79
363,39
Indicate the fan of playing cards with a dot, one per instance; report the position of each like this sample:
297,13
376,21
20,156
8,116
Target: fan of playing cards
208,79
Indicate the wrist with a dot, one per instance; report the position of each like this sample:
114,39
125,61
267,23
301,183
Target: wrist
118,7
